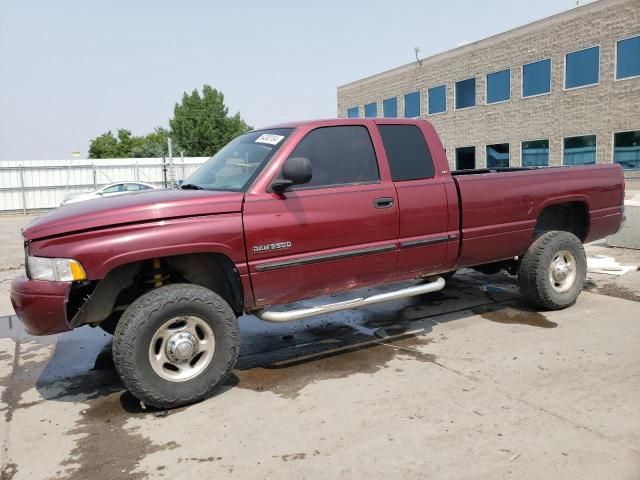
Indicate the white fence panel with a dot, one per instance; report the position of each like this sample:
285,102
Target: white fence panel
42,184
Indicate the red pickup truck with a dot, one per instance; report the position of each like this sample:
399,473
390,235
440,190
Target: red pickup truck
293,212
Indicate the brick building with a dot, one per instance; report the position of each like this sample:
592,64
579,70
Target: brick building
562,90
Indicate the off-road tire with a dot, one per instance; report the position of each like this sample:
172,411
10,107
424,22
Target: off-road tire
533,274
140,321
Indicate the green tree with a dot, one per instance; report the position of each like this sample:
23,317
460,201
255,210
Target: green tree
109,146
154,144
201,124
104,146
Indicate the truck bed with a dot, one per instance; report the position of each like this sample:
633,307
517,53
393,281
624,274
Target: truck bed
499,207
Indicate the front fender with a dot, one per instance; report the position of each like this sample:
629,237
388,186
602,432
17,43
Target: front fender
100,251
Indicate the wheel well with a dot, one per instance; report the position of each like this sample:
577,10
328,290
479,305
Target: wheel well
569,217
94,302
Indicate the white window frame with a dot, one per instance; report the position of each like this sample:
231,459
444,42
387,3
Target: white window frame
486,157
455,109
404,104
564,79
550,78
486,86
446,104
615,62
548,145
613,143
572,136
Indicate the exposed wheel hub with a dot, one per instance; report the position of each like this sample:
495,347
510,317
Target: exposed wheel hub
182,347
560,272
563,271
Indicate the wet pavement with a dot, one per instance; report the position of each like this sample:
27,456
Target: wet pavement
463,383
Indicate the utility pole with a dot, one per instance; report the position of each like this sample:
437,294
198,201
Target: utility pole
171,171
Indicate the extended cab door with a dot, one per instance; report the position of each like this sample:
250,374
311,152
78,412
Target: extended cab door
428,224
336,232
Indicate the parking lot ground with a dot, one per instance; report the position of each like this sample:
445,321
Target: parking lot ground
462,383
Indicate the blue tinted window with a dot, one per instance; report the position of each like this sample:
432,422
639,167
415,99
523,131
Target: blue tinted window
390,107
371,110
580,150
466,93
412,105
582,68
353,112
536,78
499,86
535,153
498,155
628,58
626,149
437,99
465,158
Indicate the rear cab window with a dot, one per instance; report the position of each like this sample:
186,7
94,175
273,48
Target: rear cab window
407,152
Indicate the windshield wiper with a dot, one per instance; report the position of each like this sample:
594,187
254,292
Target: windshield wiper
190,186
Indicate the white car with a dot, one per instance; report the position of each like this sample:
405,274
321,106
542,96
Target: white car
110,190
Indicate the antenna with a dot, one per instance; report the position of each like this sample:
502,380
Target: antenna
416,50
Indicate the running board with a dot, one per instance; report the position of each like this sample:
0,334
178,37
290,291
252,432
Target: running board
287,316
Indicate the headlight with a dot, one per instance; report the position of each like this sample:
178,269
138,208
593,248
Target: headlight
55,269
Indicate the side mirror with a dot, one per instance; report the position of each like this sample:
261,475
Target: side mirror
296,171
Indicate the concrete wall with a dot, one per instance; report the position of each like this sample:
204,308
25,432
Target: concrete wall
608,107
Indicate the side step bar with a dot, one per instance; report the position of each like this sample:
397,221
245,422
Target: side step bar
287,316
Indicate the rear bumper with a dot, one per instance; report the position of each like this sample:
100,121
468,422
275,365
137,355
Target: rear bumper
41,306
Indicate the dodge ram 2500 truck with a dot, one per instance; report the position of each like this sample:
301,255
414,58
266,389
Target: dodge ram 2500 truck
293,212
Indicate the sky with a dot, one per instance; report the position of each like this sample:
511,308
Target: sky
73,69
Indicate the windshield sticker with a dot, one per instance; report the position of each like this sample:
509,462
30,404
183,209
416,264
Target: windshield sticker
269,139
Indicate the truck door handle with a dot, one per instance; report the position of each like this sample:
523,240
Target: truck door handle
383,202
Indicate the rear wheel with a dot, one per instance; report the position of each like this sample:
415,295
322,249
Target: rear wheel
553,270
175,345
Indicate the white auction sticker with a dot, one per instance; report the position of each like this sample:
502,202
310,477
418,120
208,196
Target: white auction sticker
270,139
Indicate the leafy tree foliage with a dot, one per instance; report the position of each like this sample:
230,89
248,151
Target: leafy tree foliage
201,126
201,123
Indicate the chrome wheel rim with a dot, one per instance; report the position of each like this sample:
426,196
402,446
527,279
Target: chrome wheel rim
182,348
562,271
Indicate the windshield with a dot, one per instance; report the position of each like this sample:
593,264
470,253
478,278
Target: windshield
235,166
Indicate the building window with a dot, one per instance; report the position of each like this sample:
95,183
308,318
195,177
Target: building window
582,68
498,155
535,153
437,99
626,149
536,78
371,110
465,93
407,152
499,86
353,112
390,107
628,58
465,158
579,150
412,105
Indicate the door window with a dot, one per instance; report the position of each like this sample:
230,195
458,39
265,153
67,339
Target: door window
341,155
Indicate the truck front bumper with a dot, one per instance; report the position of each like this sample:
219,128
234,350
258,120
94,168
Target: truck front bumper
41,306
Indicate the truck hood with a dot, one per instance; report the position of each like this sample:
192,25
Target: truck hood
131,208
